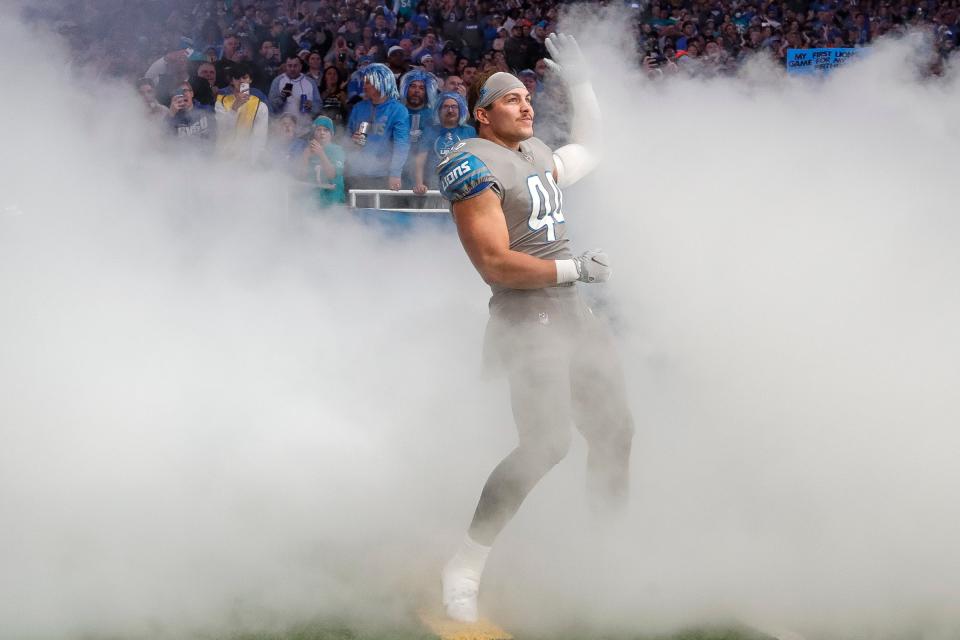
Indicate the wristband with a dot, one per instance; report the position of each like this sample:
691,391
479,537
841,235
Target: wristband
567,271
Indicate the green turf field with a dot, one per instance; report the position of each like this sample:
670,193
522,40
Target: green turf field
343,632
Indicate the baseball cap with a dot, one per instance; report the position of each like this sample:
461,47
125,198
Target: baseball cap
394,48
426,56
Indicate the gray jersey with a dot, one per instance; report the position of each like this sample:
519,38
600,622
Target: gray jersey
531,200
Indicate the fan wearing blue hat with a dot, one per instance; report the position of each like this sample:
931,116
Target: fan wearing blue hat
449,127
418,92
323,161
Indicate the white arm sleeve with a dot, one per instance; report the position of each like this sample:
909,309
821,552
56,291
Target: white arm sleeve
573,162
581,156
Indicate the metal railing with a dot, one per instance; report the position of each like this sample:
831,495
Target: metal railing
377,195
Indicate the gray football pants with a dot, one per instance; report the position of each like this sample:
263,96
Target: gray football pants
562,368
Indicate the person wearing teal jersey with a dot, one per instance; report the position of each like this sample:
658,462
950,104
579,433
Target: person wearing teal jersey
403,8
322,162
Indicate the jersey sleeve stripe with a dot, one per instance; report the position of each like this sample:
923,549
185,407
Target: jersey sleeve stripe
473,177
454,160
477,189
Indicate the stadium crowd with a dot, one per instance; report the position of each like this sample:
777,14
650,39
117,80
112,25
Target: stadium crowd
372,93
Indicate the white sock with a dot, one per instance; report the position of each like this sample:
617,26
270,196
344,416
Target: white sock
461,580
470,559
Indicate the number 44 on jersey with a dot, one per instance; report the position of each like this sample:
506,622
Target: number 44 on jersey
544,210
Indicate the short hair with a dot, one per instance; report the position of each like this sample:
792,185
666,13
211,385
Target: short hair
239,70
473,93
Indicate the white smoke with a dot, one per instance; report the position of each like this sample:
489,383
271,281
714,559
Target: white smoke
784,266
224,413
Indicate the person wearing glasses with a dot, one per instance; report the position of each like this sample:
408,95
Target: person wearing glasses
449,128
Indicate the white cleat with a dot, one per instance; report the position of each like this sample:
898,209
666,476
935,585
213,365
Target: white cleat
460,593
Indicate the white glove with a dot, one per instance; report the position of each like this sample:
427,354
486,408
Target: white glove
568,61
593,266
581,155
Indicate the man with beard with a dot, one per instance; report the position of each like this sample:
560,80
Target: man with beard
418,92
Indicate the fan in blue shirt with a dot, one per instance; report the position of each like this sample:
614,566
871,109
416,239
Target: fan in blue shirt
418,92
447,130
377,157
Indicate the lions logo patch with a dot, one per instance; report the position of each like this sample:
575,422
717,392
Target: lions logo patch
462,175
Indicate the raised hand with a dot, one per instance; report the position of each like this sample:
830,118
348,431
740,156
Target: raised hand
567,59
